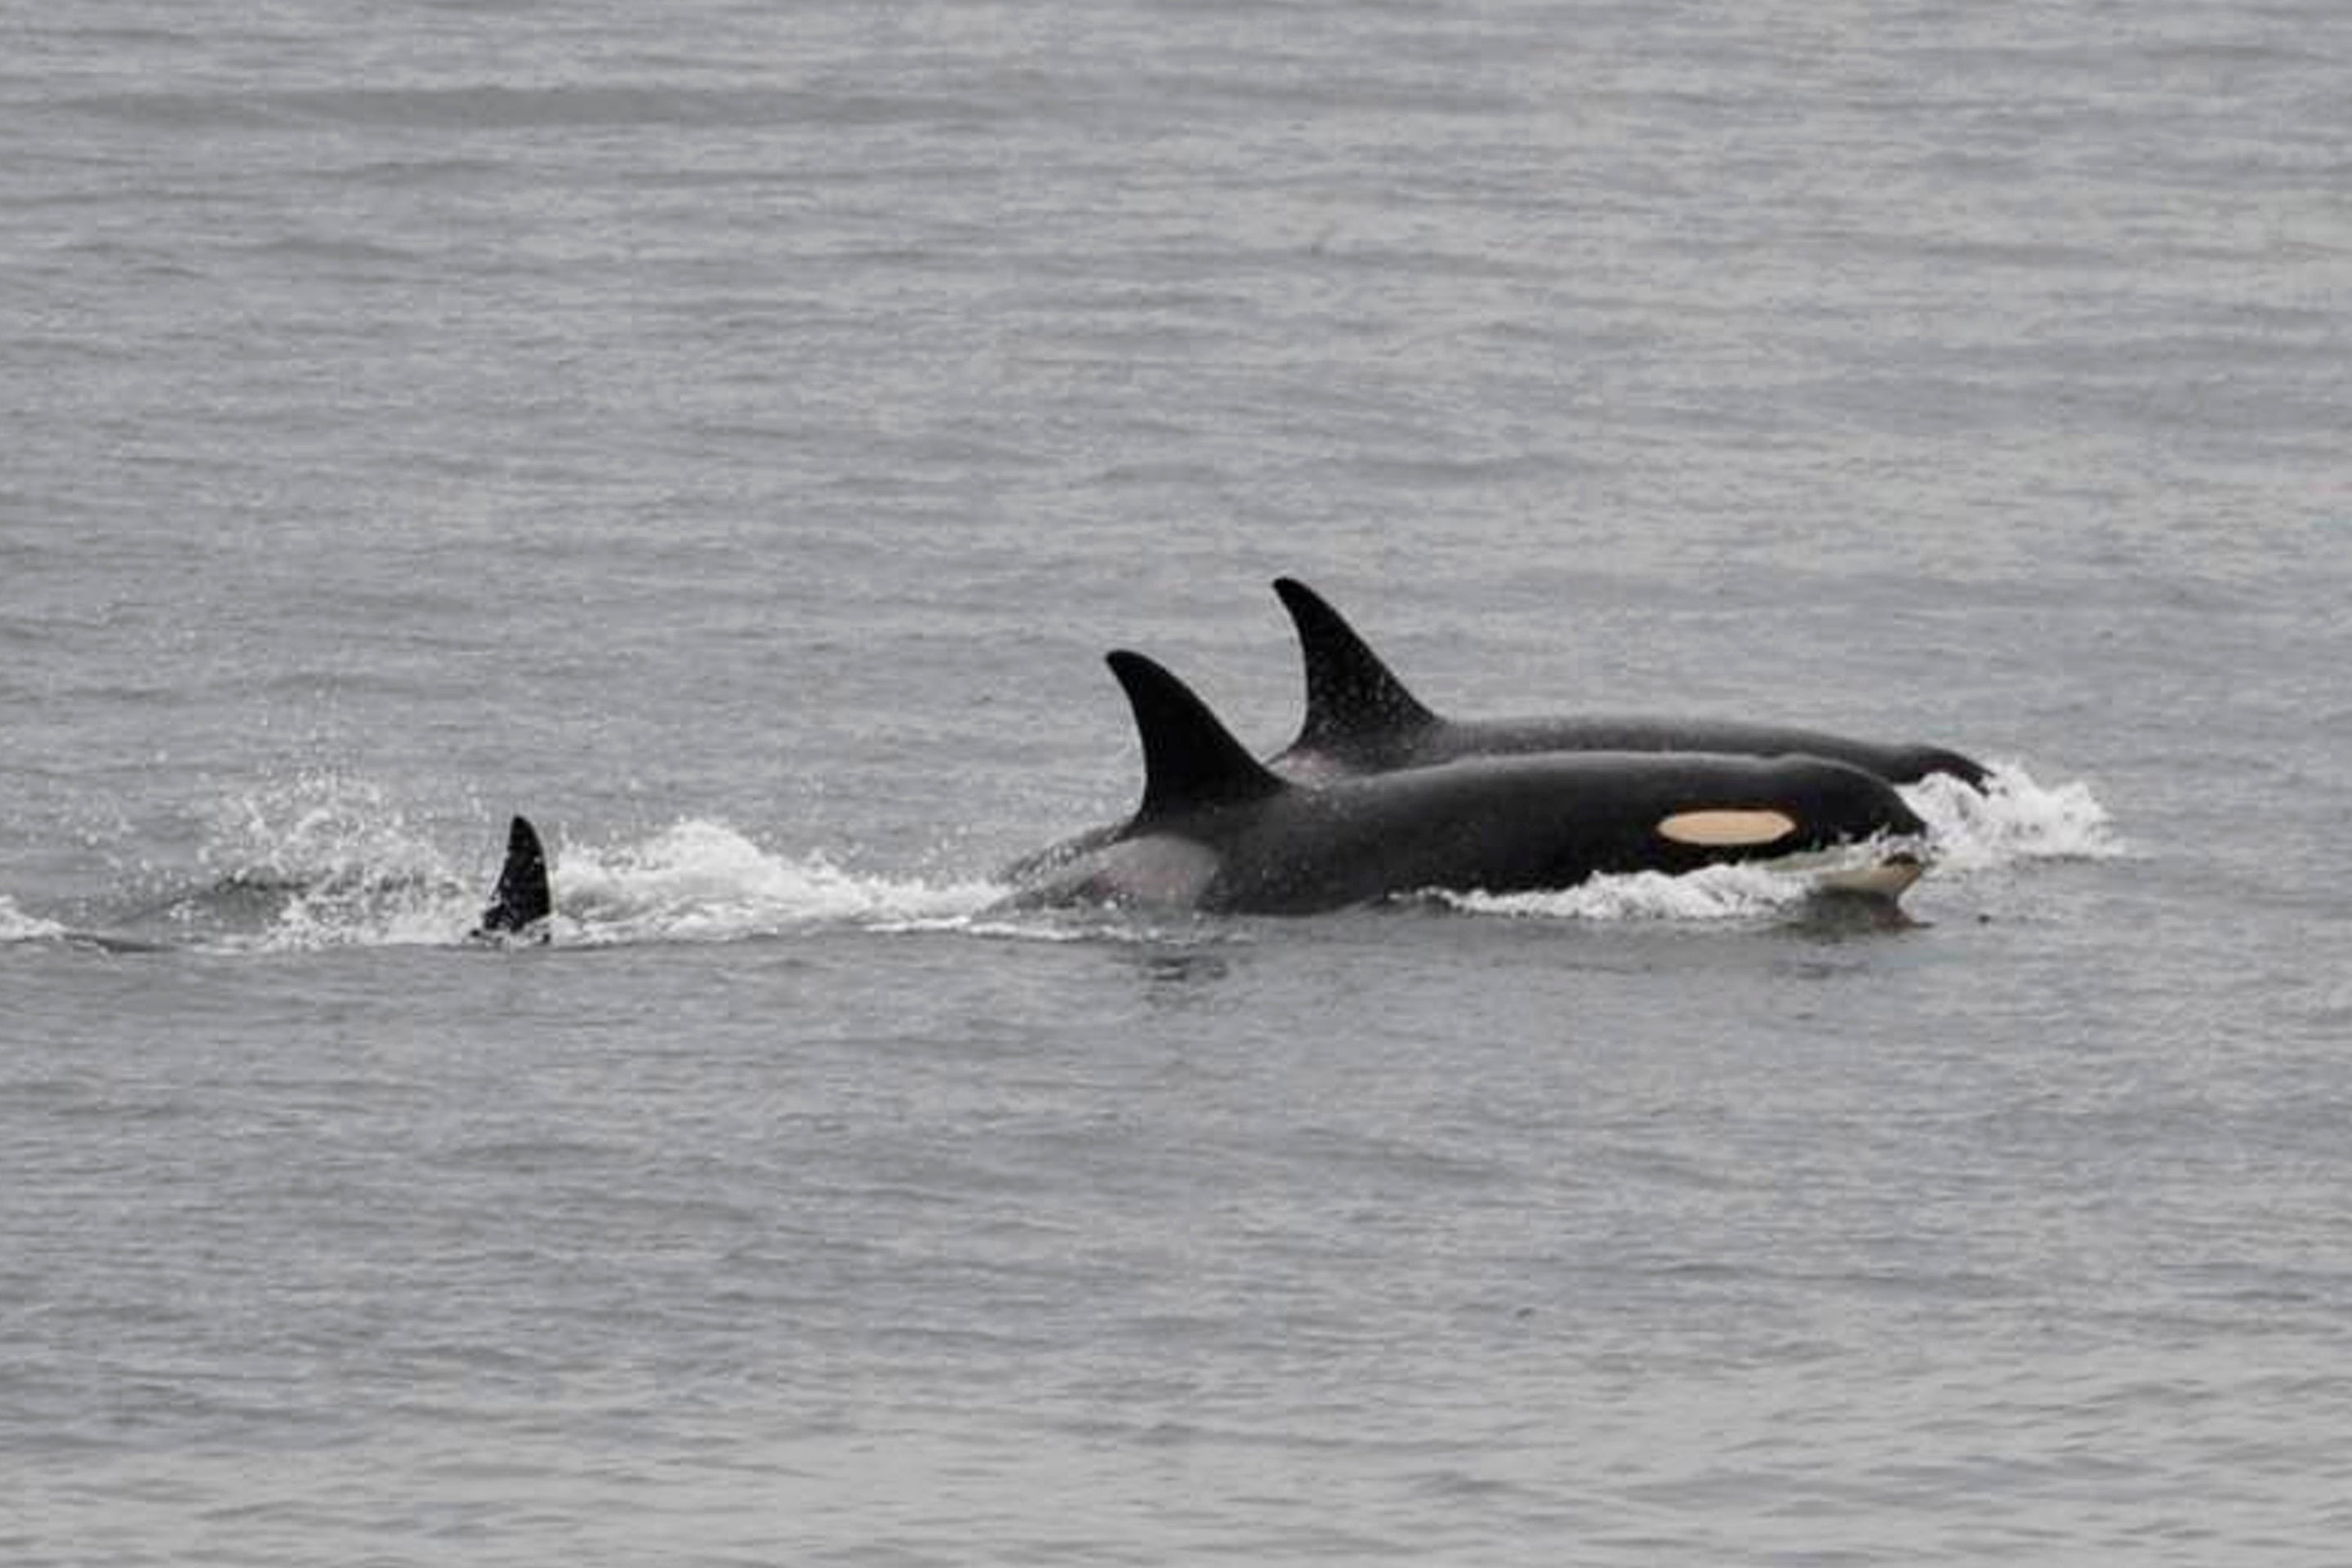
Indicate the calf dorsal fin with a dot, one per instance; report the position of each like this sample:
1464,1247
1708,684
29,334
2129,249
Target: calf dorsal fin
522,899
1351,695
1190,761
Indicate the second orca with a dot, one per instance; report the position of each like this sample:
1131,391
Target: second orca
1360,719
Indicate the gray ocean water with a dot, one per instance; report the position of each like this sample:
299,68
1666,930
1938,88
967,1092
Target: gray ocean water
733,434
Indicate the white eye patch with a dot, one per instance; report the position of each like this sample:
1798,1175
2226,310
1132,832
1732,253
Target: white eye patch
1727,829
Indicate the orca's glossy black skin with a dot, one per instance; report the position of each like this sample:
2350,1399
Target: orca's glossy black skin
1360,719
1220,832
522,900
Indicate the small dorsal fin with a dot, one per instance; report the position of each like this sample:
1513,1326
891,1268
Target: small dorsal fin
1351,693
1191,760
522,897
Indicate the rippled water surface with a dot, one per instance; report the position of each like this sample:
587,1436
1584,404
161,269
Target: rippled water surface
733,434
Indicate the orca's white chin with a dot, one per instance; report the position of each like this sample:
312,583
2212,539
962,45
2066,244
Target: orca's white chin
1881,869
1886,879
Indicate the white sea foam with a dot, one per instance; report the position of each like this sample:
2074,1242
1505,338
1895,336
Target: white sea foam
703,881
16,925
319,860
1725,892
2014,819
325,861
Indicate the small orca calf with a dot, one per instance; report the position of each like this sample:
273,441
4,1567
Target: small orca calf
1360,719
1219,831
521,905
518,912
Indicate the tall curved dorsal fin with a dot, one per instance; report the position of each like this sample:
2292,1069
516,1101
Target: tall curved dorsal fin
1191,760
1351,693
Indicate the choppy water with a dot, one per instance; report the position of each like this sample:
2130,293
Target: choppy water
733,434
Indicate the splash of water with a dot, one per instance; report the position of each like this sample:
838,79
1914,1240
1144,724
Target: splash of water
2014,819
1728,892
16,925
324,861
702,881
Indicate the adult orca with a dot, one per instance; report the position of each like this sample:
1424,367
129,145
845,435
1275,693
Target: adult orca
523,901
1361,719
1221,831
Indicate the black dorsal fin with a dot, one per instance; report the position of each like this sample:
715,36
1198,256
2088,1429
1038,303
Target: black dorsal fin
1350,694
522,897
1190,761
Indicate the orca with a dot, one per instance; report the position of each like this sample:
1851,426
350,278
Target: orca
523,901
1220,832
1360,719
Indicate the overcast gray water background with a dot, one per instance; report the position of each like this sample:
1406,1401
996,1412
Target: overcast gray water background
733,434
